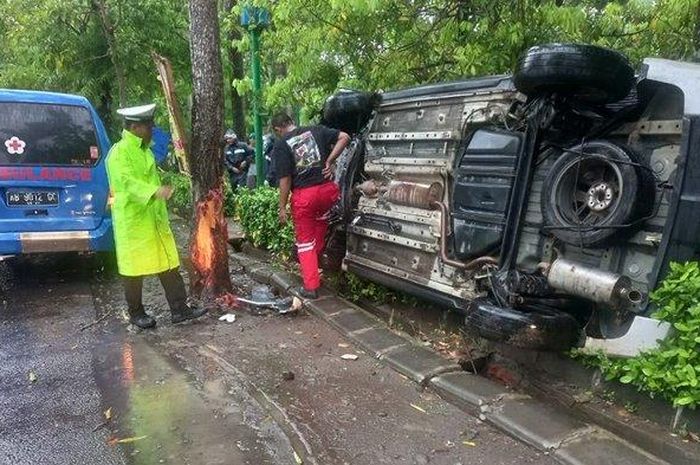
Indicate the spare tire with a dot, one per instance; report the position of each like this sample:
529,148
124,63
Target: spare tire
541,328
349,110
585,72
592,190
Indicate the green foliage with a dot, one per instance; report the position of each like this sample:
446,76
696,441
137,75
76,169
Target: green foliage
672,370
257,211
318,46
62,45
354,288
181,201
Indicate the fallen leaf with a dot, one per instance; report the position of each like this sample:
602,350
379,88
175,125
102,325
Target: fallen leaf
349,357
418,408
108,414
469,443
114,441
298,459
32,377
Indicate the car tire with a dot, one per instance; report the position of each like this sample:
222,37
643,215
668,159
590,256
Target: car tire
349,110
584,172
542,328
585,72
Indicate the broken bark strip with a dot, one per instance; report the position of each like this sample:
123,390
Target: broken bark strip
208,246
165,75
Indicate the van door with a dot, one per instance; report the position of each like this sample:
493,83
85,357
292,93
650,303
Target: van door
51,175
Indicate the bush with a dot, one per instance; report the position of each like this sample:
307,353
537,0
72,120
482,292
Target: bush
671,370
181,201
257,211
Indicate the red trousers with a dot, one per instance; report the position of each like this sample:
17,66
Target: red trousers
310,206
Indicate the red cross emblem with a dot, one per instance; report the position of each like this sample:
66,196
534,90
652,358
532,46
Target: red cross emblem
15,145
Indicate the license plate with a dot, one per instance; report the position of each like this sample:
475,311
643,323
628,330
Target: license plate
33,198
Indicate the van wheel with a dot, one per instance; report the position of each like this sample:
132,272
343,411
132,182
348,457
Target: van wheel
586,72
592,190
541,328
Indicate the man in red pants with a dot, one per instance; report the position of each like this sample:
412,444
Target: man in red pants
303,159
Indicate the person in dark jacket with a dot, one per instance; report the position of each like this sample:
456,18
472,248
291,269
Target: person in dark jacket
238,157
268,144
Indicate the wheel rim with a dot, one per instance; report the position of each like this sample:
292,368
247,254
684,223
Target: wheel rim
587,192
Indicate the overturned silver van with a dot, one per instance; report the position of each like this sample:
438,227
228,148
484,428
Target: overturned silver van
545,205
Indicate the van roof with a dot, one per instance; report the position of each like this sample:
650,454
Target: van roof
35,96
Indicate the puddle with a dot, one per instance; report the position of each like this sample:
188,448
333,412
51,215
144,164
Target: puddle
177,419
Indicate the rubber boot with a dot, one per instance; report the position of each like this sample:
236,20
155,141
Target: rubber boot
141,319
307,294
185,313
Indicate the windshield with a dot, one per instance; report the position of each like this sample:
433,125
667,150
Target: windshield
47,134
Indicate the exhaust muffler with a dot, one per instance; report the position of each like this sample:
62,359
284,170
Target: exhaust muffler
602,287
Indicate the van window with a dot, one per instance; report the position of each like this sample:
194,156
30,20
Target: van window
46,134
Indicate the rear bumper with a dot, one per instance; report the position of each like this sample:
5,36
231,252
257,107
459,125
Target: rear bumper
96,240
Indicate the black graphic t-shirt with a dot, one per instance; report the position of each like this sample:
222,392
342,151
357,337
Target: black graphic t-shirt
302,154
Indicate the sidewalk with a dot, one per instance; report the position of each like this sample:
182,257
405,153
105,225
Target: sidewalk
550,429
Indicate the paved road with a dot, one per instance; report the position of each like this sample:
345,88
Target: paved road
207,392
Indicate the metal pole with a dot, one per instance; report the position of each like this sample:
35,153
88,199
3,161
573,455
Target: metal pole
257,96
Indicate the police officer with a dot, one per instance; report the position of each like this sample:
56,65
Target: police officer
144,242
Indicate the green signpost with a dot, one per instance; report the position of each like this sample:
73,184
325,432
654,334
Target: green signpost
254,20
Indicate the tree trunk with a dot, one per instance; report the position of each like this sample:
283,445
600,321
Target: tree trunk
108,30
208,246
238,72
696,35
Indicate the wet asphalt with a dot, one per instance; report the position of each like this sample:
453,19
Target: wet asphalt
267,389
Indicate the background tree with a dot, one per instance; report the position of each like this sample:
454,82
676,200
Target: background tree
97,48
384,44
236,66
208,246
316,46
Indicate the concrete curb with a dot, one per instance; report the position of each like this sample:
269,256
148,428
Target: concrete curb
545,426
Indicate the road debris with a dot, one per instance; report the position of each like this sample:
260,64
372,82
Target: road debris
32,377
343,345
288,375
108,414
262,296
114,441
97,321
227,300
349,357
228,317
469,443
420,409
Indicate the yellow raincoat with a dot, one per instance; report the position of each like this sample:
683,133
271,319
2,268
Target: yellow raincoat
144,242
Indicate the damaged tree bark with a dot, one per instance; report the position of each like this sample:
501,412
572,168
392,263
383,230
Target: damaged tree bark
208,246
